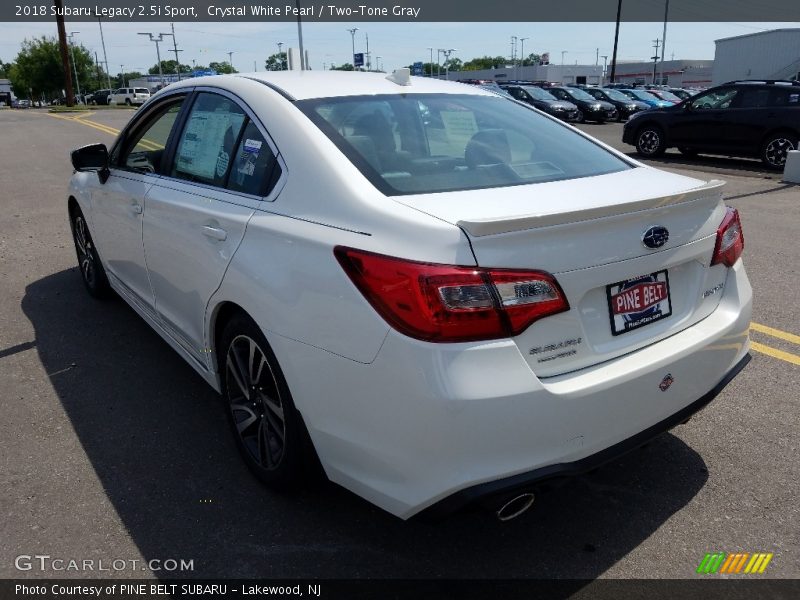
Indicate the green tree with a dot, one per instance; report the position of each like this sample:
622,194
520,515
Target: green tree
5,69
168,68
344,67
38,68
485,62
123,79
276,62
222,67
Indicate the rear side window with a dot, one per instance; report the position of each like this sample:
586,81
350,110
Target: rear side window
424,143
754,98
784,97
255,169
208,140
141,91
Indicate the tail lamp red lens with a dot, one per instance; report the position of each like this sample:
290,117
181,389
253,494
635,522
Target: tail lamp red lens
730,240
447,303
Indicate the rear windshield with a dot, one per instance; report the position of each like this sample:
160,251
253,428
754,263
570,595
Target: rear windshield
425,143
538,93
141,91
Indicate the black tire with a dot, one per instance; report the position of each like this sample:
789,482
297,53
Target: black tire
580,117
278,452
650,141
686,151
91,268
775,149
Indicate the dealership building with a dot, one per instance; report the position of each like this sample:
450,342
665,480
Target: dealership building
764,55
5,92
588,74
676,73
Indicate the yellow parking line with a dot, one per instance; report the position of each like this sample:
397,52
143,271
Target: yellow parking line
775,353
105,129
783,335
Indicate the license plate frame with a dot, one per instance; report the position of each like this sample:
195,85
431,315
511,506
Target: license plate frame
655,285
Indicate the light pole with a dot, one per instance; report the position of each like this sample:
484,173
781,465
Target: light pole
157,40
447,61
280,56
175,49
353,41
522,52
103,42
513,48
230,59
74,65
563,52
121,76
439,63
664,39
378,63
431,63
605,67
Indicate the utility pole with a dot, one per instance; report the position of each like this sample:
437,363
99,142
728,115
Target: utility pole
616,42
563,52
74,64
513,48
369,61
353,40
280,56
175,50
664,38
62,46
230,59
122,75
431,63
656,45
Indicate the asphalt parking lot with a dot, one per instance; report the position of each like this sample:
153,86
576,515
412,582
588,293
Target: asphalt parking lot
113,448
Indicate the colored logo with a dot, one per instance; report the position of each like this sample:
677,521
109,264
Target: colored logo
666,382
739,563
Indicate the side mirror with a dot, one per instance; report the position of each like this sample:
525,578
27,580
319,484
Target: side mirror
93,157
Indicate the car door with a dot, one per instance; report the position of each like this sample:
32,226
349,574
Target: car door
118,206
222,167
746,119
703,122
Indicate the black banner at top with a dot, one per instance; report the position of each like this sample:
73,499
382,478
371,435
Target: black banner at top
402,10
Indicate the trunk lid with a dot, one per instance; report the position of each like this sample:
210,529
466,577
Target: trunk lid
589,233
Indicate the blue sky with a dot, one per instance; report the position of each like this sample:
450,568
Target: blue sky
398,44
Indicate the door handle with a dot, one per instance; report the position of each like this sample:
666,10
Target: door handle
215,233
136,208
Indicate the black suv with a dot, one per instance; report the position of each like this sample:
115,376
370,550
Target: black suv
543,100
739,118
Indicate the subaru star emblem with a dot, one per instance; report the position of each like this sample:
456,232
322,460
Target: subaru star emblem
655,237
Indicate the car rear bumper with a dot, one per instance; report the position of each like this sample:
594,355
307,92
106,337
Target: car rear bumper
427,425
527,481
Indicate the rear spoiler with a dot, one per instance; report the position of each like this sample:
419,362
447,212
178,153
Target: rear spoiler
482,227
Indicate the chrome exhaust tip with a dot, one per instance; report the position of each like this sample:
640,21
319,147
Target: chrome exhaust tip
514,507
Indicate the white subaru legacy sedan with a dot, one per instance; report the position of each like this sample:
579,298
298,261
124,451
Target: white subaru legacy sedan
438,295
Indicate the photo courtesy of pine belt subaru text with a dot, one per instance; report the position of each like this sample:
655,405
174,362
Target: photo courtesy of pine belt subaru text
430,293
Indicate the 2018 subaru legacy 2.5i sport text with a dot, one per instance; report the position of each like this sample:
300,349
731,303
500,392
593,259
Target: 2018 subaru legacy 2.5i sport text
437,294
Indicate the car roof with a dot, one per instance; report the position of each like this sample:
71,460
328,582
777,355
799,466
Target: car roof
303,85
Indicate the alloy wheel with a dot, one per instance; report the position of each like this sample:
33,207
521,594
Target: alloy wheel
83,241
777,150
649,141
255,402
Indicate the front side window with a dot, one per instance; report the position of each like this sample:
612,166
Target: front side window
208,140
144,151
716,99
425,143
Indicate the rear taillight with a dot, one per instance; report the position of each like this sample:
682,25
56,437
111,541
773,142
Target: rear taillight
730,240
444,303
